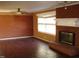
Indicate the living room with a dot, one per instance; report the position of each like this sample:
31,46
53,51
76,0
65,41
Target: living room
39,29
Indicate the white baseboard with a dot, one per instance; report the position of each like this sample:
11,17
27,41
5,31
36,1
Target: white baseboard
15,37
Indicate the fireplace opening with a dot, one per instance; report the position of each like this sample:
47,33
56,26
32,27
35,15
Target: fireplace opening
66,37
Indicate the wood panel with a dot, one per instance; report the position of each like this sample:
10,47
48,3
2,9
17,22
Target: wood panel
15,25
71,12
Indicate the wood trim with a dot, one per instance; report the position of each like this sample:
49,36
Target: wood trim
42,39
65,26
15,38
44,11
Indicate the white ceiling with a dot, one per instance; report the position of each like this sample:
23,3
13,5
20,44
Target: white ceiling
28,6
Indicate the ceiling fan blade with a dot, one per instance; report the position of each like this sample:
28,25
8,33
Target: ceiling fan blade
19,10
22,12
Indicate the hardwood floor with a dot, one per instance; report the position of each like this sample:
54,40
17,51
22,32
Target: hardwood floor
27,48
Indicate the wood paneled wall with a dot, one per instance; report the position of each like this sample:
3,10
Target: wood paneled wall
71,12
15,25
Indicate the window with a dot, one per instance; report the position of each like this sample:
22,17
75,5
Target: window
47,25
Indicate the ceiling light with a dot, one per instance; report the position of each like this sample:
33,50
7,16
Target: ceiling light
65,7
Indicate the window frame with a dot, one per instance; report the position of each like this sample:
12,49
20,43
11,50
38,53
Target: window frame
45,24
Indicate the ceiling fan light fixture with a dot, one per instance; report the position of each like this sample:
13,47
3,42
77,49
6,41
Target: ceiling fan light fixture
19,11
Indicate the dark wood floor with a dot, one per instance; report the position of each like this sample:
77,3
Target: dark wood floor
27,48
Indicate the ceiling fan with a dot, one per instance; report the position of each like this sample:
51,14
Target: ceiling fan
66,3
19,12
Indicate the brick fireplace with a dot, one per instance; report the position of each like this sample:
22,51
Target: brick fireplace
70,50
67,21
74,30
